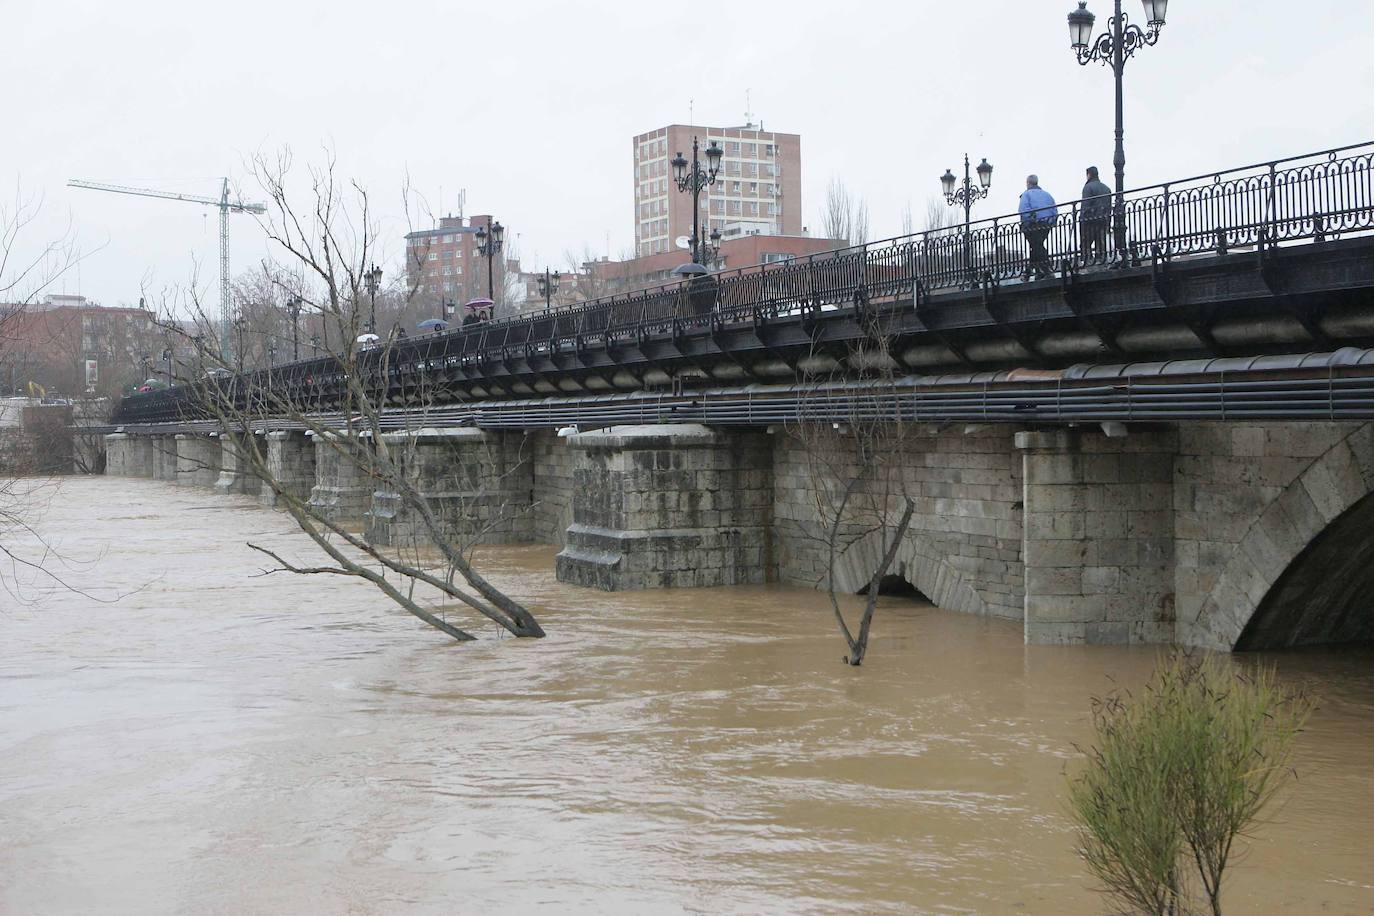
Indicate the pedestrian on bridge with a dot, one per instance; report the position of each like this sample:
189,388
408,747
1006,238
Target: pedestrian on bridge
1038,216
1092,226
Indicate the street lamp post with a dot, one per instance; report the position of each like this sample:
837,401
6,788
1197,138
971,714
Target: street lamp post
239,323
548,286
315,344
373,280
1113,48
271,353
964,195
489,244
293,307
694,181
167,358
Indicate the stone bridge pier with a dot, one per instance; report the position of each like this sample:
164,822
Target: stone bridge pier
1224,535
665,506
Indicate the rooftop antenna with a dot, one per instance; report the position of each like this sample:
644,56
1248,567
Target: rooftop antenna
748,115
462,201
691,112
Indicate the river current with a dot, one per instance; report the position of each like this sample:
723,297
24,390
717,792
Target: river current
221,741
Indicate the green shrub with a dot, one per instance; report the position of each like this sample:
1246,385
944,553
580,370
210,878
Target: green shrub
1176,774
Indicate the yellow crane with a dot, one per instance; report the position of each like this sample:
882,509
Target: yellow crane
226,206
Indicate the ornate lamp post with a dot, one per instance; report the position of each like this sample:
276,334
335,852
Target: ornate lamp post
548,286
315,344
964,195
293,308
167,358
239,324
1113,48
373,281
693,181
271,353
489,244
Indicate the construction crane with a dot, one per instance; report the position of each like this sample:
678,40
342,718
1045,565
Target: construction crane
226,206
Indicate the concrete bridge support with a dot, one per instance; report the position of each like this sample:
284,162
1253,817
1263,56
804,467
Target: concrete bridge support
669,506
197,460
340,494
138,456
478,484
291,462
1098,551
117,455
235,474
164,458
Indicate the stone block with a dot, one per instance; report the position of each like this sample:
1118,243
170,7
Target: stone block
1054,633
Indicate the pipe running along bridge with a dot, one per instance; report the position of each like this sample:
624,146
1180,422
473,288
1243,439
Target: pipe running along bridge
1171,448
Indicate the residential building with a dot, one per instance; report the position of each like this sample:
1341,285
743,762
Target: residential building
757,191
69,345
444,266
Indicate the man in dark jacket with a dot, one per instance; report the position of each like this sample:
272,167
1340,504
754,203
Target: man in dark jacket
1097,212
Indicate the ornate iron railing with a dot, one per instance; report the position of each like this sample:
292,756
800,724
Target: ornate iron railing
1310,198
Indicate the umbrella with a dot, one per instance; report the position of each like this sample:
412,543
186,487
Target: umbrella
433,324
690,270
476,305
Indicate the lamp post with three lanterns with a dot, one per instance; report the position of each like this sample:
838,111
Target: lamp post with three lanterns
1113,48
964,195
693,181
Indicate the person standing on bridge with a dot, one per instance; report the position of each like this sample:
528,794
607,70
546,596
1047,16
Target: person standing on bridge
1092,226
1038,215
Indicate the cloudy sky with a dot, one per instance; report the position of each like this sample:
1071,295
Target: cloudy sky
530,105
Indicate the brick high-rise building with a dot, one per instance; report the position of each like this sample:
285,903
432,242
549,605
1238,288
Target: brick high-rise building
443,264
758,190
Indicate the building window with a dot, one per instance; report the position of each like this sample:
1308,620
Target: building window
448,240
434,255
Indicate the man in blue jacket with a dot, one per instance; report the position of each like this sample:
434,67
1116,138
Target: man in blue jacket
1038,215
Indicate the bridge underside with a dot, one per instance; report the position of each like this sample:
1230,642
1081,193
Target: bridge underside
1326,595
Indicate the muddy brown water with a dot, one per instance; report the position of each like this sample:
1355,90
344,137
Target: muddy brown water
220,742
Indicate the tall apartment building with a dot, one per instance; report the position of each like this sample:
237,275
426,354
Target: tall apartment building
443,265
758,190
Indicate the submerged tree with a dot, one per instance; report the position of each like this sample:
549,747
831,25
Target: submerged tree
351,407
1176,774
856,460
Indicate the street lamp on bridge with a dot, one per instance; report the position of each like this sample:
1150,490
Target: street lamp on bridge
1113,48
373,281
293,308
489,244
693,181
964,195
548,287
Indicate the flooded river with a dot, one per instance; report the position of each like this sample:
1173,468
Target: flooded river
220,742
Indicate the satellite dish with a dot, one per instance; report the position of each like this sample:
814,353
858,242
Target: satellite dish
683,242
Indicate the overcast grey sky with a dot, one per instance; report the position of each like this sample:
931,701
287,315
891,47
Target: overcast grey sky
530,105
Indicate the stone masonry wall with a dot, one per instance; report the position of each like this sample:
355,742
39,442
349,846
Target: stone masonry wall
669,506
1098,550
1248,498
553,486
963,549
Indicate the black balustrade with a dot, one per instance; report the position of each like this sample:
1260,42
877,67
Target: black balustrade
1317,197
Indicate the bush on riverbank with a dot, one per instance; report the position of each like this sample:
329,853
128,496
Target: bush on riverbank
1176,774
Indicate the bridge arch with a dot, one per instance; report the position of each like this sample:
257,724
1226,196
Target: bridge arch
1303,570
931,576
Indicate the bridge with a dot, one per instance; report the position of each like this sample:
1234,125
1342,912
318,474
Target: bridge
1175,447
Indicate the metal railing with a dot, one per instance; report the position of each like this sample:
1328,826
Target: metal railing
1315,197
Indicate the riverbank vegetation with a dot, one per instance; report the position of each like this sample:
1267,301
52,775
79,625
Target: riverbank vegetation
1177,773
